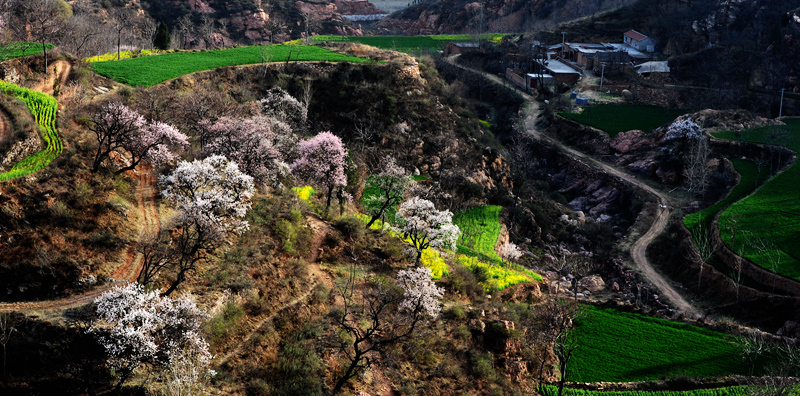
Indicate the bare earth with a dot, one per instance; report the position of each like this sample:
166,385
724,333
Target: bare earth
127,272
662,215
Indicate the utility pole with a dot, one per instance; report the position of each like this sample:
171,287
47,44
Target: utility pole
563,42
780,109
602,73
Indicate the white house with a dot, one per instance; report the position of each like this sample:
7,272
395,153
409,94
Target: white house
639,41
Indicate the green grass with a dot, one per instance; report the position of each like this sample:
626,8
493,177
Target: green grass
617,346
749,173
15,49
155,69
44,109
480,228
773,211
552,390
614,119
407,44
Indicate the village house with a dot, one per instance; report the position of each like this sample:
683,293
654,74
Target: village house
639,41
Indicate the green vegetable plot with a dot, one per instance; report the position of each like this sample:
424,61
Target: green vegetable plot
480,228
614,119
44,109
772,213
155,69
19,49
552,390
407,44
619,347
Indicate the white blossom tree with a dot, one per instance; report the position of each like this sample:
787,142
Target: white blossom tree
510,252
427,227
212,198
390,184
248,141
420,294
381,316
119,129
282,106
321,162
141,328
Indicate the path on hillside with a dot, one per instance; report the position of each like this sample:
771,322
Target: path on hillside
321,230
639,249
62,70
128,271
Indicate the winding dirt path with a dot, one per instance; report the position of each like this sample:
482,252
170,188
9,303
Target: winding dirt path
128,271
317,276
62,70
639,249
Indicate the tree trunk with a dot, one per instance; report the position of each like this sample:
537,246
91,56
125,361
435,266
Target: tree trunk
178,280
44,49
328,202
348,374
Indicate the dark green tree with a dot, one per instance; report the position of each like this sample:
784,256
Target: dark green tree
161,38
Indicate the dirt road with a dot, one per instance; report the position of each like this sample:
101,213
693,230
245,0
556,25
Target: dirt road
639,249
128,271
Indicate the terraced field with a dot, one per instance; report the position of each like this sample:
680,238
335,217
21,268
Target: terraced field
773,212
407,44
615,119
44,109
551,390
155,69
617,346
19,49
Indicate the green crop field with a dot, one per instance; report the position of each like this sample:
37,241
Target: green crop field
614,119
480,228
552,390
772,213
155,69
407,44
18,49
749,173
44,109
617,346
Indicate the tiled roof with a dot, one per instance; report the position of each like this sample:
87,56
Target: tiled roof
634,35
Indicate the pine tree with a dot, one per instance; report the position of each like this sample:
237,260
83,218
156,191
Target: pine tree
161,38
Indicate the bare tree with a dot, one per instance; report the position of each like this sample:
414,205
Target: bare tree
702,249
84,32
186,28
6,329
551,324
41,21
754,344
121,21
695,169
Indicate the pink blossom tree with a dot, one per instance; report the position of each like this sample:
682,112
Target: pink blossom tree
321,162
248,141
137,327
212,198
425,226
390,184
119,129
420,294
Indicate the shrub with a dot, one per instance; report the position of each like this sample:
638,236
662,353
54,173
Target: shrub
81,194
285,231
483,366
455,312
463,281
62,214
350,227
219,327
105,239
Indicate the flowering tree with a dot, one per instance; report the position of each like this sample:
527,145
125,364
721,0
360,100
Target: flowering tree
138,328
425,226
389,185
421,296
510,252
248,141
282,106
321,162
212,197
695,170
382,316
119,129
